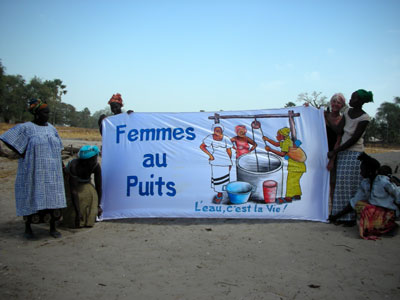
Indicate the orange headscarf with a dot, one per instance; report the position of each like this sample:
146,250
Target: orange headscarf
35,105
116,98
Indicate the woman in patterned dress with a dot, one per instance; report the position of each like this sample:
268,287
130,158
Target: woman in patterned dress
349,146
39,186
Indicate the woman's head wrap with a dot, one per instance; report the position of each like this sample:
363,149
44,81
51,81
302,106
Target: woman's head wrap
339,98
217,125
88,151
238,127
116,98
365,96
35,105
285,131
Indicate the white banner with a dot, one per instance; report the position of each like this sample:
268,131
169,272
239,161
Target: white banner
239,164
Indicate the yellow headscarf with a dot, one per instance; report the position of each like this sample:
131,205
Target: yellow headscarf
284,131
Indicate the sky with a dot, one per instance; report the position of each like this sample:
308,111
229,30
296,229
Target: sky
186,56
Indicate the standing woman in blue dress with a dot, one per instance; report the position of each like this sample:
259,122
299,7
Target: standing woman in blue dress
39,186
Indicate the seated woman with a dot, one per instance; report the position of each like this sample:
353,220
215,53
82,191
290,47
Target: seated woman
83,199
376,201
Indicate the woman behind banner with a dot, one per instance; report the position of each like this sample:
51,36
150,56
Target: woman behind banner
39,186
350,145
83,198
333,117
116,105
219,158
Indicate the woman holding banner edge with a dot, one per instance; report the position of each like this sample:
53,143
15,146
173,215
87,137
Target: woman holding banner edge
349,146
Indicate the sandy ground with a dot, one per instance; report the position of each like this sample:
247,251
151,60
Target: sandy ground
193,258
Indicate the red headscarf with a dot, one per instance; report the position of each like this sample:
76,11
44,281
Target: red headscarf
116,98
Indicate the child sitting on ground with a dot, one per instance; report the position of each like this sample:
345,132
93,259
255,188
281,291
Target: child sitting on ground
376,201
387,171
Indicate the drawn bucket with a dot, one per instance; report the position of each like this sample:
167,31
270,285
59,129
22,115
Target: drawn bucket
238,191
255,169
269,190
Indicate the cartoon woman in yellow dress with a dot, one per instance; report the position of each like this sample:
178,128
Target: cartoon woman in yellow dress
296,166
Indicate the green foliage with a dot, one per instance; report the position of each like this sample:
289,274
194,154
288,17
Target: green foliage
388,121
15,94
290,104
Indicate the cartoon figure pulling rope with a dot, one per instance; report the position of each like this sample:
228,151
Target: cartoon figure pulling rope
296,167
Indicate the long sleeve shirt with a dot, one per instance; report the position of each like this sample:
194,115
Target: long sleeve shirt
384,193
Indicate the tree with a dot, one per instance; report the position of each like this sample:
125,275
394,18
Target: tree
388,115
57,90
13,98
315,99
84,119
290,104
95,118
373,131
2,73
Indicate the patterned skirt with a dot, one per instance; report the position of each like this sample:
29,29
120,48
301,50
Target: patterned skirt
374,220
348,180
44,216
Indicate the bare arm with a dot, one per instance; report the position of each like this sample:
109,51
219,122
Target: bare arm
275,151
13,154
204,148
360,129
276,144
338,129
253,143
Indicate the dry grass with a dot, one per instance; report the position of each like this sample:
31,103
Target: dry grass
86,134
372,150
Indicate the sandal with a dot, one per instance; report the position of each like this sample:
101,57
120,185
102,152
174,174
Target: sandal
217,200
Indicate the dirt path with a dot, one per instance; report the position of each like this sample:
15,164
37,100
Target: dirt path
193,259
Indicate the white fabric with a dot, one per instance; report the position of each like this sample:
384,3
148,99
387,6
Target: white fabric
219,150
349,129
153,166
220,176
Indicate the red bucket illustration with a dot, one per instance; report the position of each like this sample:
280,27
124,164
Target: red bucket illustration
269,190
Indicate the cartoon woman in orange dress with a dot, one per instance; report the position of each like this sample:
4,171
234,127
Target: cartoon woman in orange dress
241,142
